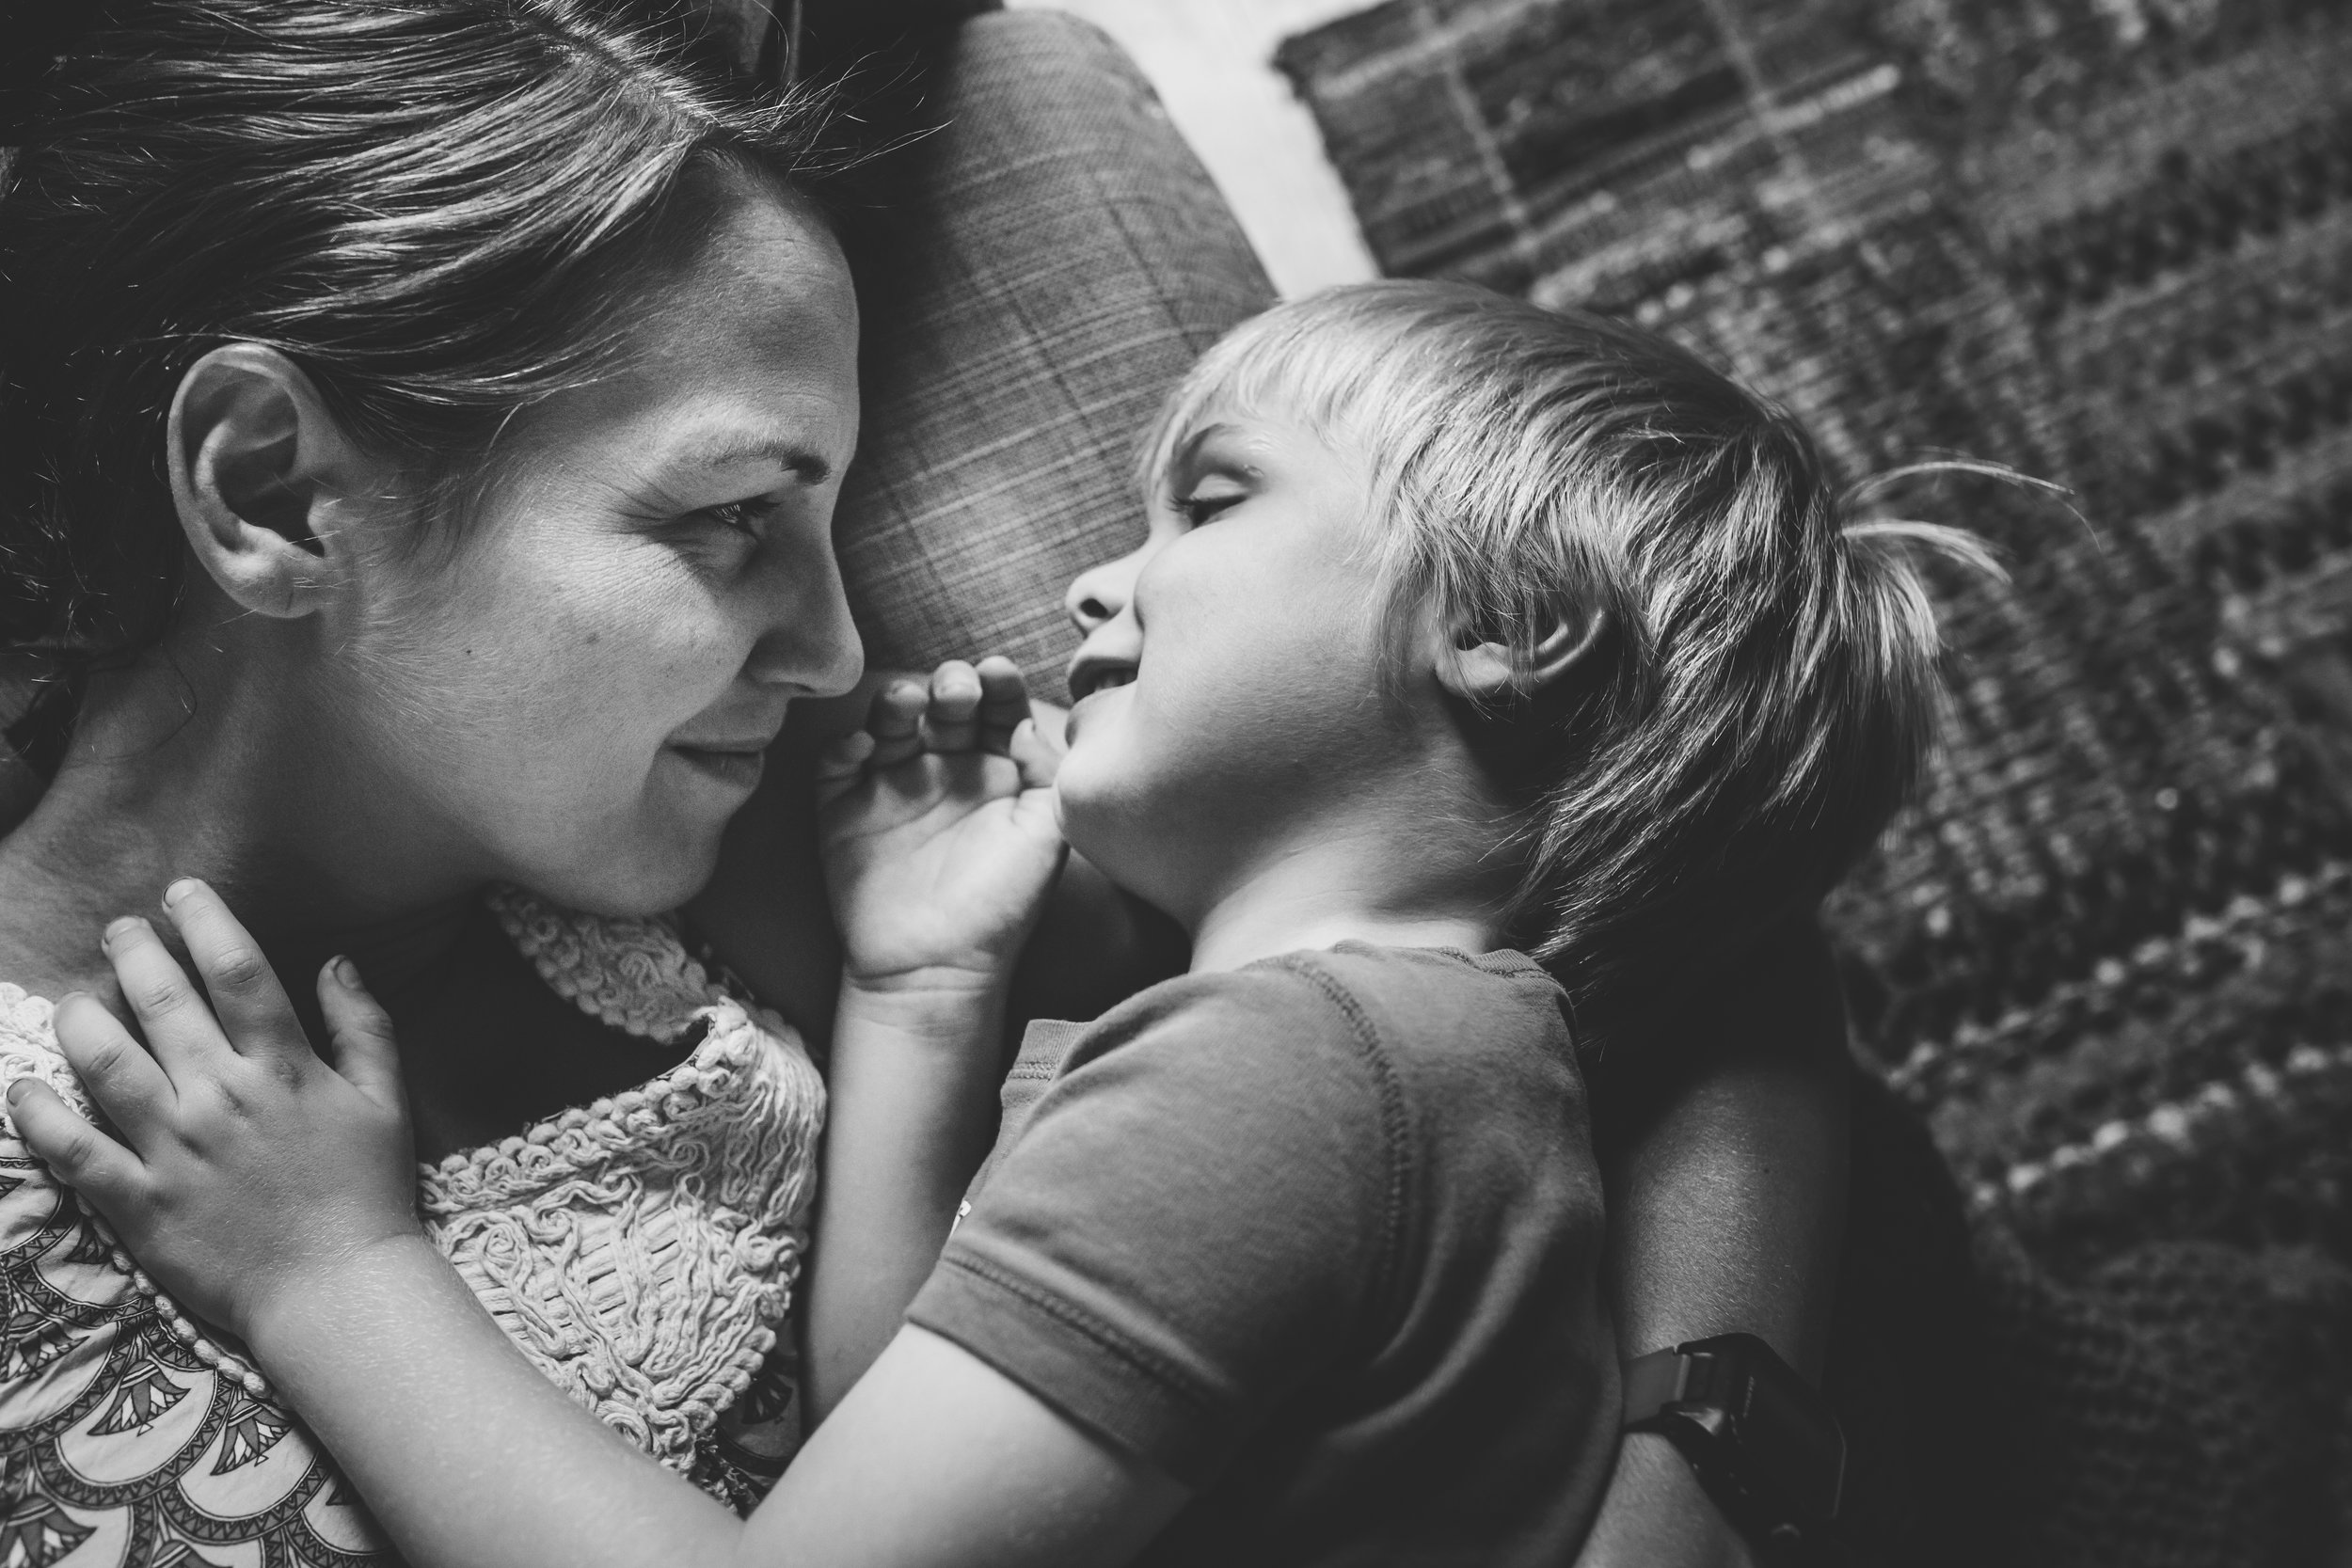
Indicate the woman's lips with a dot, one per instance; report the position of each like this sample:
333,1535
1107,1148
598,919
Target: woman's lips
738,769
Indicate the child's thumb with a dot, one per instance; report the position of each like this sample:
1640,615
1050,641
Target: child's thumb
359,1044
1037,754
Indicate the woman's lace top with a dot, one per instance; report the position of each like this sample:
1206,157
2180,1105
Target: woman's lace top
641,1251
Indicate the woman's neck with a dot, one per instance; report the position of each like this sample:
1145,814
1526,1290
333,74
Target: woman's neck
165,778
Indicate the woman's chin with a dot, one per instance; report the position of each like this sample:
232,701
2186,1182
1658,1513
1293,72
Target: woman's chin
633,881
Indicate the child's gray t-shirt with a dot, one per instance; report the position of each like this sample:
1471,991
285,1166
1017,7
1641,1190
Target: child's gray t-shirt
1321,1238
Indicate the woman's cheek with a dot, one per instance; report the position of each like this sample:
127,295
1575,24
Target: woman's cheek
649,645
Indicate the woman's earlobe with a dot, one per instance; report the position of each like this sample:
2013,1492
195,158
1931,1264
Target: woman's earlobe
255,462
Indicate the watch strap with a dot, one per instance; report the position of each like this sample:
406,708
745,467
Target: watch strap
1763,1442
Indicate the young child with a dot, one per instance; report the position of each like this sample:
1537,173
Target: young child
1462,628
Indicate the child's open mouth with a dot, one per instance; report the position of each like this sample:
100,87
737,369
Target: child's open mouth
1090,675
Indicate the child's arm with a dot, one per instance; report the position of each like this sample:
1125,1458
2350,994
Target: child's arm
273,1194
469,1458
1725,1159
939,844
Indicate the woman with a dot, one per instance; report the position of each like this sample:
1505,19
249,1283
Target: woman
419,493
410,494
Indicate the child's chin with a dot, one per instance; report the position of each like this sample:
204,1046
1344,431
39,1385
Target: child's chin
1086,815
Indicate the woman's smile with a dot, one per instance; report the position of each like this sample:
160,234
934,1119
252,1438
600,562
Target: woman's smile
738,770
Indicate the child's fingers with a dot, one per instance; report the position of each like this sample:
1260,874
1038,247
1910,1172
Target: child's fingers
123,1081
896,721
1004,702
172,1013
1038,757
359,1042
254,1010
84,1158
841,763
953,723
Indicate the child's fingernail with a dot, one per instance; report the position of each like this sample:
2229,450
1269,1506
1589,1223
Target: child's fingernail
17,1088
179,889
346,974
122,925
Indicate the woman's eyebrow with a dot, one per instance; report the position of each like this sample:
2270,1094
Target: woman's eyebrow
718,451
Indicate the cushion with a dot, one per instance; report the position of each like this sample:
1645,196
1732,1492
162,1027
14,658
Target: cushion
1034,275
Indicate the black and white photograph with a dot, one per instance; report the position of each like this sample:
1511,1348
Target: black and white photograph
1192,783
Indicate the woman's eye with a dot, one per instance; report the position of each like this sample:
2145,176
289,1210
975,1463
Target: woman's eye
743,516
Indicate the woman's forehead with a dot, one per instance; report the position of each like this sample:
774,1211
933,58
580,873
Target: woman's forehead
748,355
765,276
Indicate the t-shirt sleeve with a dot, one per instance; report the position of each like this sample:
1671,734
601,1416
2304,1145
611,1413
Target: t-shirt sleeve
1195,1222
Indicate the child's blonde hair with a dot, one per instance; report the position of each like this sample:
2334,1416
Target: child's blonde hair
1765,692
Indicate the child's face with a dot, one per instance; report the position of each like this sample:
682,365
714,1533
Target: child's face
1227,694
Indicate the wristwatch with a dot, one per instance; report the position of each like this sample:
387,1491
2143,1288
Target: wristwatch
1765,1445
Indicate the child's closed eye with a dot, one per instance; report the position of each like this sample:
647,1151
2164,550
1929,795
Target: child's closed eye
1198,508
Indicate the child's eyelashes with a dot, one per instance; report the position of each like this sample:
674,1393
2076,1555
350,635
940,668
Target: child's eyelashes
1198,510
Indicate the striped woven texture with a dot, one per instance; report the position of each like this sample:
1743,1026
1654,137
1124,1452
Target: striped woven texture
2111,244
1035,277
2109,956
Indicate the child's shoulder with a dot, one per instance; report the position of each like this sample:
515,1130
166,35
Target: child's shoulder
1428,1028
1430,1007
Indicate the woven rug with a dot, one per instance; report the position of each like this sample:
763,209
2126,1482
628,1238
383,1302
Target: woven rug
2107,242
2109,956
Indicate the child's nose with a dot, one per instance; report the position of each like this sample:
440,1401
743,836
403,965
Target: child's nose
1100,592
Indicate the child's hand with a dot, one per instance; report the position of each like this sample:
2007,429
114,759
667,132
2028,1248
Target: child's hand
251,1164
938,829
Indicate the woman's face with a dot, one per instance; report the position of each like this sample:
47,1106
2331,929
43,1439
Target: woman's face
578,695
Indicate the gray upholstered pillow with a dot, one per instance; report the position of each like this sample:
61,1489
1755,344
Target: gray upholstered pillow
1057,258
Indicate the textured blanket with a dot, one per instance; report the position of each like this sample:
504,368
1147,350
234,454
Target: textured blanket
2109,957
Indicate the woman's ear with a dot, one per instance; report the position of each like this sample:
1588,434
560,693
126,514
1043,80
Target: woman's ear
1484,670
259,465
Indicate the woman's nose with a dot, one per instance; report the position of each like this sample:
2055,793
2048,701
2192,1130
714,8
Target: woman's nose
1100,592
813,643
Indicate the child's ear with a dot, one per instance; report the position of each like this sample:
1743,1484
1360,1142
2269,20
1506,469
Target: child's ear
259,466
1483,670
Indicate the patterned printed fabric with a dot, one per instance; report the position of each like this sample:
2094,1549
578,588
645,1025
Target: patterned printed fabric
2109,241
1049,266
641,1251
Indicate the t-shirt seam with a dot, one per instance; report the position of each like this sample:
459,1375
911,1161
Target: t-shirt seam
1149,1363
1387,1276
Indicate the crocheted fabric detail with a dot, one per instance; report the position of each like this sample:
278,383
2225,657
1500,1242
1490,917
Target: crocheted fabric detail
633,974
642,1251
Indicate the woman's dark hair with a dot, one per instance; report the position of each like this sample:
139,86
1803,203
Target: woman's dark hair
437,208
